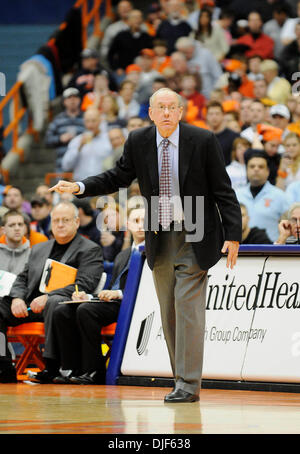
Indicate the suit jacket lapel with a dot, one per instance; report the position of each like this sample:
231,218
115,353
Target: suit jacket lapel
43,255
71,249
186,150
151,156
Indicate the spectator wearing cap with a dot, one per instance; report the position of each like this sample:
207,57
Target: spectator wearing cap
200,60
133,73
101,88
153,18
279,89
84,78
268,139
235,79
40,212
265,202
128,105
173,27
66,125
86,152
127,44
280,118
258,43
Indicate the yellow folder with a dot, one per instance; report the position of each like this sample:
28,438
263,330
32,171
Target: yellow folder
56,275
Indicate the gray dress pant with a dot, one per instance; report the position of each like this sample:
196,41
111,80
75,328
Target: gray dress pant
181,289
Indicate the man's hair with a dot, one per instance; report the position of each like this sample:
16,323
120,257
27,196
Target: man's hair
12,187
10,213
215,104
68,204
257,154
292,208
165,89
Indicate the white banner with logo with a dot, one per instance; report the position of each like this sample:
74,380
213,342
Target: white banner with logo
252,324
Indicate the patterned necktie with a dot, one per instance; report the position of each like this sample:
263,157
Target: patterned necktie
165,187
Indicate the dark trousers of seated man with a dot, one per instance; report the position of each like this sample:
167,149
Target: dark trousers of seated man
78,333
7,319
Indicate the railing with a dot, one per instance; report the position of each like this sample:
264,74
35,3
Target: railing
14,95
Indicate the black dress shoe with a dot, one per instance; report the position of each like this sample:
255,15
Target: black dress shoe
179,395
8,375
65,379
89,378
43,377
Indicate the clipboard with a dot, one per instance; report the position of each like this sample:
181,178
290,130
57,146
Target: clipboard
93,300
56,275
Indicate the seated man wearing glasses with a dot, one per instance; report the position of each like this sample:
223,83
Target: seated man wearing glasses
26,303
289,229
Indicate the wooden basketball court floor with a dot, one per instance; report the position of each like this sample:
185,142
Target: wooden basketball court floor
79,409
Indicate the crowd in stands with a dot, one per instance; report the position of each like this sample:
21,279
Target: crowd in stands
236,66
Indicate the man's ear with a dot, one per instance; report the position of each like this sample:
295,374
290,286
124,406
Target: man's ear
150,113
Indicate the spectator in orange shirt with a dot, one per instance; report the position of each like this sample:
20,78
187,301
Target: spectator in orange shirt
101,88
190,89
161,59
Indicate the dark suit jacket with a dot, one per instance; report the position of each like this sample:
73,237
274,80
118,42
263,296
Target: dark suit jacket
82,254
201,173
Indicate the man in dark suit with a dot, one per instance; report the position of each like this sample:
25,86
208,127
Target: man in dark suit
79,326
26,303
180,163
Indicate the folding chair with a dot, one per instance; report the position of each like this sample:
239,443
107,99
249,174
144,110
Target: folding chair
31,336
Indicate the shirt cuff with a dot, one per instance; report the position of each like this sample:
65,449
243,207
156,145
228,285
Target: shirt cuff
81,188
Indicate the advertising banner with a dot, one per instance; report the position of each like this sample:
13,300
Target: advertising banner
252,324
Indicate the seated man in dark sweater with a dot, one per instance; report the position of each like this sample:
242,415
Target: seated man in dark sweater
26,303
216,123
79,326
252,235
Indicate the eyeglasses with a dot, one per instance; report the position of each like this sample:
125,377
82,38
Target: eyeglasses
161,108
62,220
295,221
